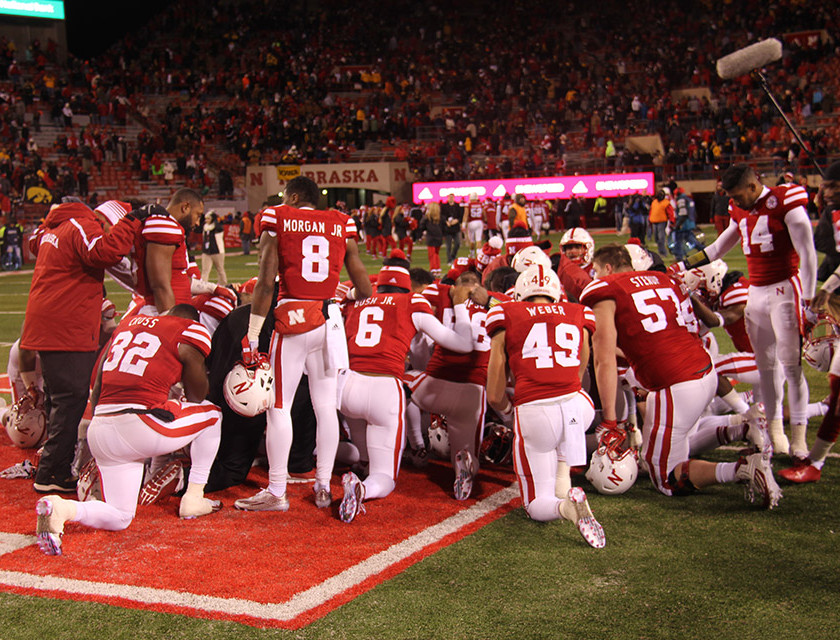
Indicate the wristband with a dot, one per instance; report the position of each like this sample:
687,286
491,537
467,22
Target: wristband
696,260
255,324
719,319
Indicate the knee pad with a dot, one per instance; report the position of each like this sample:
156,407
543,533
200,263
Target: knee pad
681,486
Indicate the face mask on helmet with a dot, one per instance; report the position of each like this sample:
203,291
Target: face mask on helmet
820,343
578,246
27,422
439,437
497,445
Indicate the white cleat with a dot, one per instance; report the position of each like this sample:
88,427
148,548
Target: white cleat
589,527
354,494
194,507
759,437
52,513
463,475
756,472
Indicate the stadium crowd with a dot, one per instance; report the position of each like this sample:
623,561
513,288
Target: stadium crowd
437,91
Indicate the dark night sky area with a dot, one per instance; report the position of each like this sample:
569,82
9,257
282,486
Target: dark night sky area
94,25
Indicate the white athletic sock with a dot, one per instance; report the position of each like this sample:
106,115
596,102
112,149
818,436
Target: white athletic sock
777,435
797,440
816,409
734,400
725,472
819,451
563,480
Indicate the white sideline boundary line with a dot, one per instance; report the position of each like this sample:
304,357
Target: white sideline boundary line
297,605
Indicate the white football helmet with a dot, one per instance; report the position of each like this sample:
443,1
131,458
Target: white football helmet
27,422
578,236
713,274
248,391
524,258
639,257
612,471
693,279
820,343
89,484
536,280
439,437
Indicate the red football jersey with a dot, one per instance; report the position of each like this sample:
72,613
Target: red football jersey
164,230
142,361
765,239
475,212
379,331
651,328
736,294
490,214
449,365
310,248
543,343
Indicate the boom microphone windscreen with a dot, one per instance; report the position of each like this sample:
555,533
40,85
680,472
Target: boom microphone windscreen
752,57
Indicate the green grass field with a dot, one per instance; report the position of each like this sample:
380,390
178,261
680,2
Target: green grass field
707,566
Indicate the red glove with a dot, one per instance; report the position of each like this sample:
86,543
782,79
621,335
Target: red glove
677,268
251,357
609,435
224,292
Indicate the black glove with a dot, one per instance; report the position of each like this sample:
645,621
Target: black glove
147,210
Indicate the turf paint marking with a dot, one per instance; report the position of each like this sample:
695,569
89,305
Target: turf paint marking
298,605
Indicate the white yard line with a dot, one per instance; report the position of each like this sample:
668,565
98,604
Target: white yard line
296,606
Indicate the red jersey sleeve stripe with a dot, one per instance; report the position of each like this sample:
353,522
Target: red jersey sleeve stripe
734,297
591,287
268,220
420,304
198,336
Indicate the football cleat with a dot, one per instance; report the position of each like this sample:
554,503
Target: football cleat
192,507
323,498
801,472
54,485
354,494
263,501
168,480
756,472
463,475
52,513
589,527
757,435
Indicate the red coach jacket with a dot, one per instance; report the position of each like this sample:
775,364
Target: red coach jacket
65,300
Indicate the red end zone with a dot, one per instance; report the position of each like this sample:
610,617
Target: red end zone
263,569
